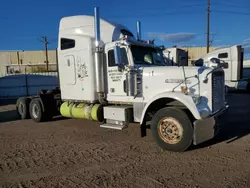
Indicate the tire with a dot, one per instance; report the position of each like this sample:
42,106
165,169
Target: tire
49,106
226,89
36,110
248,87
181,125
22,107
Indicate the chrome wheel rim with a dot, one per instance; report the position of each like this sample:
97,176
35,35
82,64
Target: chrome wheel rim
170,130
35,110
20,108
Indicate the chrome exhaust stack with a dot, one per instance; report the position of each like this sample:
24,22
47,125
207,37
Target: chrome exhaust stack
138,30
97,27
99,67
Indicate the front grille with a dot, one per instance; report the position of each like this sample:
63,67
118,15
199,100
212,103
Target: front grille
218,91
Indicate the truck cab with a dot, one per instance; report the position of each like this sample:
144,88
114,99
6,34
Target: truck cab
106,74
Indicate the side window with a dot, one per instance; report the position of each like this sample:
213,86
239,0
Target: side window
67,43
111,57
125,32
223,55
157,58
124,56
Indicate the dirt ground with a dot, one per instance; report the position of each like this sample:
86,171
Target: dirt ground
76,153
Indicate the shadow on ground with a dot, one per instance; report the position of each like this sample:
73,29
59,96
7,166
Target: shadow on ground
11,115
7,116
233,125
4,102
59,118
229,132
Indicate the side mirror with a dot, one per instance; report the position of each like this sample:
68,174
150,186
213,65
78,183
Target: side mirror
198,63
224,65
118,57
215,60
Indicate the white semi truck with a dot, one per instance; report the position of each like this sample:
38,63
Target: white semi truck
107,75
233,57
175,57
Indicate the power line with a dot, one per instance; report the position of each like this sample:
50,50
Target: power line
155,8
28,37
40,39
229,5
179,13
153,14
231,12
212,40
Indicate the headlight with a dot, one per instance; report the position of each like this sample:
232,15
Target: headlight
196,99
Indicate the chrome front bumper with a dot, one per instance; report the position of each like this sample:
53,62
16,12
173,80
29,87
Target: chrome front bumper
206,129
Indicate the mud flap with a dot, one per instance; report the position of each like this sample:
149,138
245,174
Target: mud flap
204,129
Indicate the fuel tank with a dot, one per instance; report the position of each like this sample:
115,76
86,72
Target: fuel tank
82,111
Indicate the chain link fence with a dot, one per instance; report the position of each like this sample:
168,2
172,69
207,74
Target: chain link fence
30,68
27,80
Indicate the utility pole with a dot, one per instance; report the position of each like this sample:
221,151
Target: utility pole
45,41
208,25
46,52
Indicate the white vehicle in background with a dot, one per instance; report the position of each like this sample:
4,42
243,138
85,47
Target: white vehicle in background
233,57
175,57
108,75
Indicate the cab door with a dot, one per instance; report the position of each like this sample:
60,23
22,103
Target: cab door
67,61
116,78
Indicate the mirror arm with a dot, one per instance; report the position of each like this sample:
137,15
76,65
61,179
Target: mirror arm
206,77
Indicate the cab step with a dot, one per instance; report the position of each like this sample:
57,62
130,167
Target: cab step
117,117
113,126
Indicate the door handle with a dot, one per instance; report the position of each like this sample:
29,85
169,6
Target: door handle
68,63
125,86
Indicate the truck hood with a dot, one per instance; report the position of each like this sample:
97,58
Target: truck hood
161,79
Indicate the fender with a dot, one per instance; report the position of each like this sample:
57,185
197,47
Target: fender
184,99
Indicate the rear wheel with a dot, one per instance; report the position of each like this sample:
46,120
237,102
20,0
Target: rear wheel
172,129
36,111
22,107
248,87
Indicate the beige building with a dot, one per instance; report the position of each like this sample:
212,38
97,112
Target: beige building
28,57
37,58
196,52
185,55
17,61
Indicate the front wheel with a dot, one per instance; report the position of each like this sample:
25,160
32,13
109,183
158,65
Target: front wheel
172,129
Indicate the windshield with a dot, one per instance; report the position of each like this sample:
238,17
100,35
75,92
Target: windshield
147,56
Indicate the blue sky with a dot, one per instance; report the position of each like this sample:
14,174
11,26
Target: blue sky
171,23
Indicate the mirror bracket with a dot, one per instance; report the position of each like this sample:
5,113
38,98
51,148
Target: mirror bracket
118,59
